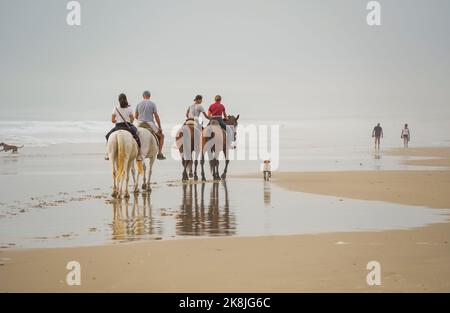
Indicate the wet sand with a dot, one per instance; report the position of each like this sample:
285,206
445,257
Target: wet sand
411,260
421,188
438,156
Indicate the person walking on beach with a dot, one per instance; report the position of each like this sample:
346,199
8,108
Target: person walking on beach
194,110
267,170
377,133
146,113
406,136
122,117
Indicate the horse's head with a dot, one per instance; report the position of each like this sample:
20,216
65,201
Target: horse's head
232,121
2,144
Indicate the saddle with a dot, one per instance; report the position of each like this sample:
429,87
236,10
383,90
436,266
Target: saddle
189,122
147,127
214,122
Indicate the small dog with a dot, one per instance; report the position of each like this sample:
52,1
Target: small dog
7,148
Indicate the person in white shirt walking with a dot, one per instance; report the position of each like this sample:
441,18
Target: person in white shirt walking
406,136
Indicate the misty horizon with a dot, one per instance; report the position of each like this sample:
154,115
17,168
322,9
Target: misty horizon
272,60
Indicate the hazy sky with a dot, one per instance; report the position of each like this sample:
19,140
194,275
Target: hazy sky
268,59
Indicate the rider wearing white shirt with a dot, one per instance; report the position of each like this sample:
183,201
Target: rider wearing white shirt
194,110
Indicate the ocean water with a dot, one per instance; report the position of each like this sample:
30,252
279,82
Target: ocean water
304,144
302,133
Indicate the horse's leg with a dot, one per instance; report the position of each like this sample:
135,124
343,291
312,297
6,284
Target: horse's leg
144,183
195,169
227,161
185,176
212,168
120,180
150,170
216,169
127,178
190,168
114,173
224,174
135,181
202,165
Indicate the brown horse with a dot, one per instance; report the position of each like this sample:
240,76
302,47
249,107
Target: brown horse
214,141
188,141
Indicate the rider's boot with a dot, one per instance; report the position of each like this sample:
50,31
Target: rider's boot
160,156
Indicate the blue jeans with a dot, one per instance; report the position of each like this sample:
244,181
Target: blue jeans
227,130
221,122
132,129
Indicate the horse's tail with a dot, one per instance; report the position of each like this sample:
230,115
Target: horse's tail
140,168
120,155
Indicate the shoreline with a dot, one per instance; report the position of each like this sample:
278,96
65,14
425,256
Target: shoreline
427,188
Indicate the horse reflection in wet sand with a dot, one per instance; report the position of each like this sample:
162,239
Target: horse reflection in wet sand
197,219
132,221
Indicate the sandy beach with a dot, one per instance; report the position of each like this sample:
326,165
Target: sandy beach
411,260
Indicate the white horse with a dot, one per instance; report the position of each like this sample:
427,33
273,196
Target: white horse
149,150
123,150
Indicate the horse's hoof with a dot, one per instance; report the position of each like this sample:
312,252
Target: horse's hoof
114,194
195,177
127,195
136,191
144,186
191,175
149,189
224,176
203,178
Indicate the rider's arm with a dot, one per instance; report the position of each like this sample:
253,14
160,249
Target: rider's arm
187,113
131,117
225,116
113,119
206,115
157,120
